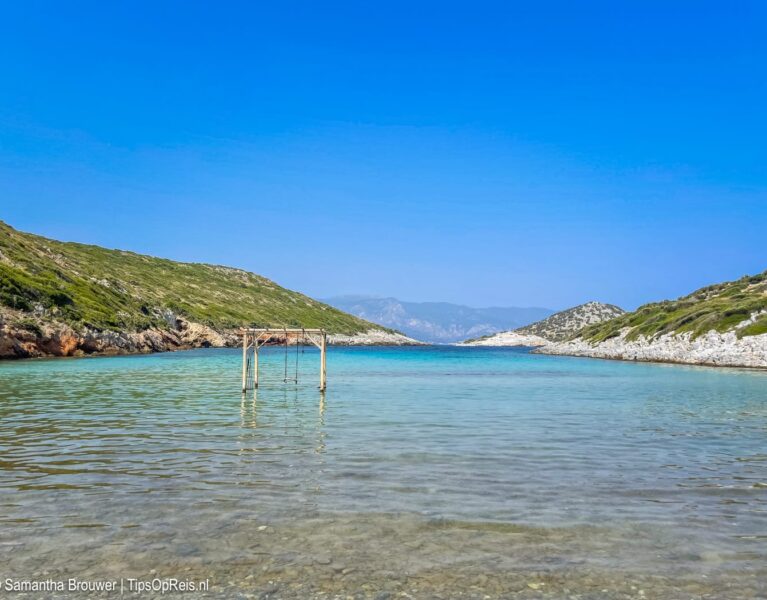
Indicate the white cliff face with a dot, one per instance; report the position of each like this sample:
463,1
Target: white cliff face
712,348
508,338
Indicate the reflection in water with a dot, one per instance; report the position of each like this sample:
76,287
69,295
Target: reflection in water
320,447
248,410
249,414
462,467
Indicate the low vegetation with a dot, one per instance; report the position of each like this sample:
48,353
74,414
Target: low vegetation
562,325
719,307
86,285
567,323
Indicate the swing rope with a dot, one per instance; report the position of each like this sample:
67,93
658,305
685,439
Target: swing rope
285,378
285,375
296,378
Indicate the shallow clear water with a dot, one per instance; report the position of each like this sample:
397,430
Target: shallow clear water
488,462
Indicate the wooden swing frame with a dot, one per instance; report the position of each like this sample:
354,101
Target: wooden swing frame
256,338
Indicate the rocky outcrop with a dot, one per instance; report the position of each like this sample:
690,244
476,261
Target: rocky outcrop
712,348
24,337
508,338
559,326
567,323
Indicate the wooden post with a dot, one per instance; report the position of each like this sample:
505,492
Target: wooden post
244,361
255,364
323,362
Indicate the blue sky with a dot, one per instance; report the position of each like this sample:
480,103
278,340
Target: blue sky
487,153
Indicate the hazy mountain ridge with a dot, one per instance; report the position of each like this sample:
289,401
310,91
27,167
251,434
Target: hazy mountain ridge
438,322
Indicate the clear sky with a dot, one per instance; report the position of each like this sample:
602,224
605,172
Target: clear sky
487,153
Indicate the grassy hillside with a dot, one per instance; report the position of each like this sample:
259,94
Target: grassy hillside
113,289
719,307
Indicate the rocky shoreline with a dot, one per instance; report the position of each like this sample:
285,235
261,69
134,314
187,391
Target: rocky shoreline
22,337
373,337
731,348
25,338
711,349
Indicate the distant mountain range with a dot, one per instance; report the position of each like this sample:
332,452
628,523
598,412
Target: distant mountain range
437,322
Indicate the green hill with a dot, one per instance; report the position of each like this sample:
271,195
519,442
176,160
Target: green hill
721,307
567,323
89,286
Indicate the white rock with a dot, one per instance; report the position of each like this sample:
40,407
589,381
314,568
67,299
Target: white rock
373,337
712,348
508,338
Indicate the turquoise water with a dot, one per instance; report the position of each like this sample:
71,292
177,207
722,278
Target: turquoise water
116,464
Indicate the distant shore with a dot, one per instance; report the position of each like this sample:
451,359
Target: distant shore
33,339
20,340
712,349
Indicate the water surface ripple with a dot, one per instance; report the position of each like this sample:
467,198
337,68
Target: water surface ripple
159,460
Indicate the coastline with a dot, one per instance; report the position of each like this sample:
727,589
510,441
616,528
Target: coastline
713,349
29,339
53,340
508,339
